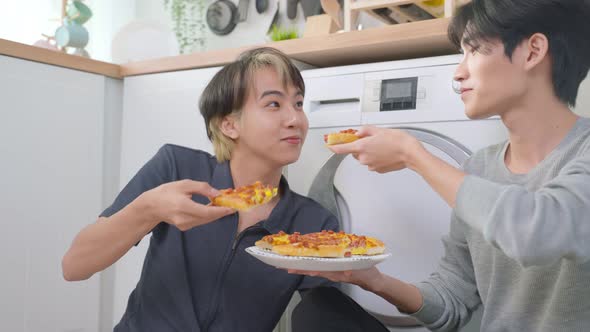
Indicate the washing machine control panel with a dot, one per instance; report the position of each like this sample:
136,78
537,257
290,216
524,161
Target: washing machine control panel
395,94
410,95
398,94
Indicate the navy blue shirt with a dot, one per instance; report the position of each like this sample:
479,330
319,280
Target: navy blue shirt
202,279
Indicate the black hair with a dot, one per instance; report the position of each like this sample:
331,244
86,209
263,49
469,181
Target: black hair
565,23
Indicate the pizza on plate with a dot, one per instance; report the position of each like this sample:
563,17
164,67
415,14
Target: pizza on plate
321,244
341,137
246,197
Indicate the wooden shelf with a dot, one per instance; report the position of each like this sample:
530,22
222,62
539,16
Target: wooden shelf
392,11
394,42
374,4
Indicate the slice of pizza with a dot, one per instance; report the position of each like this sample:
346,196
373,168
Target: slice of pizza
321,244
365,245
246,197
341,137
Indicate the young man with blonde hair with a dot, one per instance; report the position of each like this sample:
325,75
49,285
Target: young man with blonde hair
196,274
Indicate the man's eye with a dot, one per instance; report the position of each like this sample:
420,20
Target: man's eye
469,49
299,104
473,49
273,104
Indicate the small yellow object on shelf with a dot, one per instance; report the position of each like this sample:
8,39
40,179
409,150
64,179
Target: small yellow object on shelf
434,3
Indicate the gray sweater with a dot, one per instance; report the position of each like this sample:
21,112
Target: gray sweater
519,244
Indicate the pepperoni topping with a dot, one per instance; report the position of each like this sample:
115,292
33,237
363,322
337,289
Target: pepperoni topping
323,238
253,194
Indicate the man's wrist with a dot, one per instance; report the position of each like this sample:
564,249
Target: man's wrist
416,156
375,284
145,209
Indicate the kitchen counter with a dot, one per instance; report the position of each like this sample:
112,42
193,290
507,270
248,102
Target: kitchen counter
402,41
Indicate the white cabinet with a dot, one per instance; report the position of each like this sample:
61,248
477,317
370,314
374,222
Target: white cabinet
51,185
158,109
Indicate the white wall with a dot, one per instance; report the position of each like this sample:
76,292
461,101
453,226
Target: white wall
25,21
583,102
109,16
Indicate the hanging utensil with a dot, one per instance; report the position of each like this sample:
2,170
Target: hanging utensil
222,16
310,7
332,8
243,10
261,6
292,9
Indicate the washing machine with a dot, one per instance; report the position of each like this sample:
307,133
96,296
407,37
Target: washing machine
398,207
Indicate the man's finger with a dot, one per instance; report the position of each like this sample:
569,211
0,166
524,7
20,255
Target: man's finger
216,212
302,272
198,187
365,131
345,148
208,212
307,272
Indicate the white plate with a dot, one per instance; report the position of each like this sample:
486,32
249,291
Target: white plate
316,263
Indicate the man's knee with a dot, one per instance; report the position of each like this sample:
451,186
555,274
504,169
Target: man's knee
314,305
328,309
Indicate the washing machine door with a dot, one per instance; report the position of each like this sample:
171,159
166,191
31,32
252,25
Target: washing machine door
398,208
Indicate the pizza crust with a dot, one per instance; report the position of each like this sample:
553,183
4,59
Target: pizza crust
231,202
263,245
320,251
342,137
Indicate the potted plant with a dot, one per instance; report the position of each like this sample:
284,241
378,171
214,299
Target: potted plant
188,17
278,33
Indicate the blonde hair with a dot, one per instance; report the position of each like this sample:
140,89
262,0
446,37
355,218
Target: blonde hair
226,94
222,144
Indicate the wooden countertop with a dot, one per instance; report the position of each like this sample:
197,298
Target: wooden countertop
402,41
39,54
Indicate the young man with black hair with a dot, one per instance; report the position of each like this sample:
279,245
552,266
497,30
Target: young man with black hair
519,237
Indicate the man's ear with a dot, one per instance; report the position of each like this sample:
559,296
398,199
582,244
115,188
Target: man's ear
536,49
230,126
